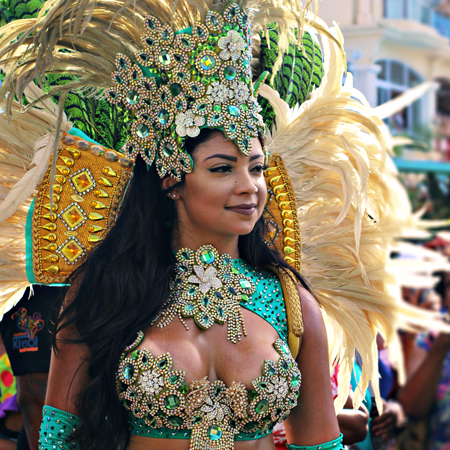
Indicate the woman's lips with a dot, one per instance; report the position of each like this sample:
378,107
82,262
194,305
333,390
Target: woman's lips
245,209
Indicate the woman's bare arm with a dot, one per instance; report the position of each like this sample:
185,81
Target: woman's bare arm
313,421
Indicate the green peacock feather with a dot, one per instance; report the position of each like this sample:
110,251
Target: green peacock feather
103,122
298,74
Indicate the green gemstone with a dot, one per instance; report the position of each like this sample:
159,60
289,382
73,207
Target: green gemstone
200,32
217,108
133,394
244,107
234,270
163,116
292,402
195,89
185,163
182,76
173,379
284,365
251,426
262,406
190,307
172,402
206,81
133,98
217,391
175,421
151,24
142,130
122,63
113,95
186,42
150,42
163,363
226,276
214,432
165,58
262,384
202,108
175,89
179,105
168,149
119,80
246,63
196,419
205,320
244,297
165,35
295,381
207,256
144,359
205,301
128,371
178,58
245,143
144,57
220,312
270,369
192,291
214,21
184,388
233,111
230,73
252,394
227,27
185,256
134,75
285,348
245,284
232,127
218,295
208,62
134,355
231,290
146,116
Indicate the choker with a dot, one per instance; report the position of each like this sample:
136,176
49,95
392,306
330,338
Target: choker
208,288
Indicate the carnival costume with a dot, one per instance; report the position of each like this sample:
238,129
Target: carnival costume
177,67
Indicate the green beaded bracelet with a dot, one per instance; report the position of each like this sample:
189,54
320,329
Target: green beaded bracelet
332,445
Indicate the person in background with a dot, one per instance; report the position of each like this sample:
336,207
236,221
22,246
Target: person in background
26,333
427,391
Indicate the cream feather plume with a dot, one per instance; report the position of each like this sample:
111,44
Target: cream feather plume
351,205
26,144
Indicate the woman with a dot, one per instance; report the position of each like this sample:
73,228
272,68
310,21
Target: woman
190,240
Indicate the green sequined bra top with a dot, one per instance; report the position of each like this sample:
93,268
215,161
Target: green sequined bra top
211,414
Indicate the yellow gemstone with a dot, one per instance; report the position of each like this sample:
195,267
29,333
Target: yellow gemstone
105,182
278,189
72,250
56,197
282,197
288,241
82,181
50,237
108,171
63,170
93,239
53,207
272,230
274,180
77,198
54,270
60,179
269,171
73,216
98,205
50,227
284,205
50,247
289,260
69,162
289,232
288,223
75,153
51,258
95,216
287,214
70,233
101,193
94,228
57,188
50,216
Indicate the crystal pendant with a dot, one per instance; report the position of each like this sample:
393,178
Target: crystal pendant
208,62
214,432
207,256
230,73
142,130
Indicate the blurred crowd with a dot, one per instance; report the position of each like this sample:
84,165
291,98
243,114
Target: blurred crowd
415,416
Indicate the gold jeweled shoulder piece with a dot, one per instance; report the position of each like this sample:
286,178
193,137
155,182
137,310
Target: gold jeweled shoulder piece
87,191
208,288
283,228
186,80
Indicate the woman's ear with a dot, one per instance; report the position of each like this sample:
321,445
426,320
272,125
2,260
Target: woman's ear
167,183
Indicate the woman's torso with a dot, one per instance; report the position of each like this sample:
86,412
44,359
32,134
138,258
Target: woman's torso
196,354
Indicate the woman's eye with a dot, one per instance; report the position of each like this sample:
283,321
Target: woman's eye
221,169
258,169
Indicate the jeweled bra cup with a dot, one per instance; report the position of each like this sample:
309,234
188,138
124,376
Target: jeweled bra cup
155,392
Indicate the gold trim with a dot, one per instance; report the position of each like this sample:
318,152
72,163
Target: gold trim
282,209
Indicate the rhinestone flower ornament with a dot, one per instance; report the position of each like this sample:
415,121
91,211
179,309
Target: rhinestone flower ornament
184,80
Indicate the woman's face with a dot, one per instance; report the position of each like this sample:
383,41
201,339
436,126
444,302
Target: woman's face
224,196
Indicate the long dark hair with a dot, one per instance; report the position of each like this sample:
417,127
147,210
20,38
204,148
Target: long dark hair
124,283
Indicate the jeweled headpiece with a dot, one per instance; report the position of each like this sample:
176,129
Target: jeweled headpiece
186,80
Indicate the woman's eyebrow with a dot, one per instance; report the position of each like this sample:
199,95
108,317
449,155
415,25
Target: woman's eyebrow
231,158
